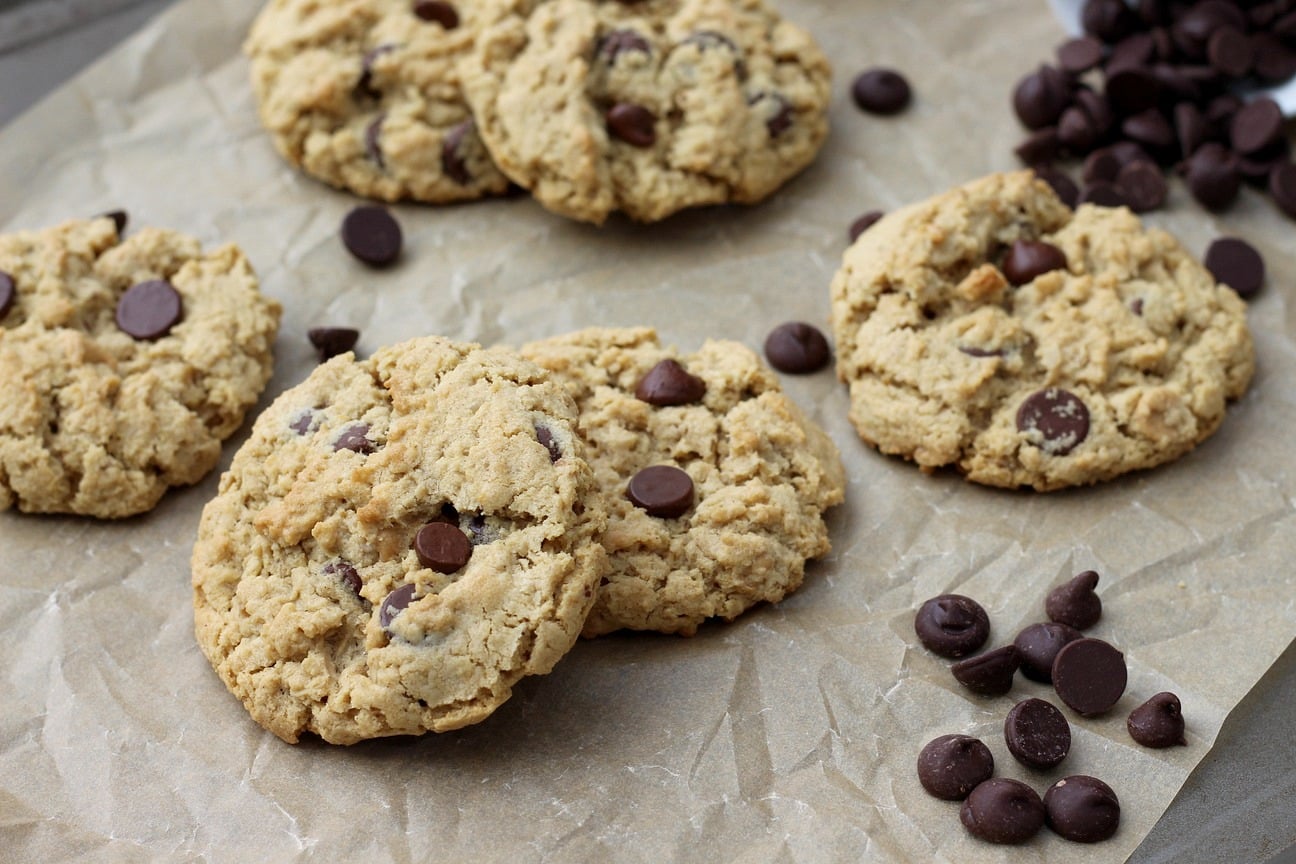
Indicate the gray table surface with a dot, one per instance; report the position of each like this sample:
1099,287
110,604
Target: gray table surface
1238,807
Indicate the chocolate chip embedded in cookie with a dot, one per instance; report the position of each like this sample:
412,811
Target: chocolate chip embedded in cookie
123,364
397,544
994,330
714,482
646,108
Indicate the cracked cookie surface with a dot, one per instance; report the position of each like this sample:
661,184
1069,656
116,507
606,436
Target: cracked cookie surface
93,420
399,542
761,474
994,330
647,107
365,95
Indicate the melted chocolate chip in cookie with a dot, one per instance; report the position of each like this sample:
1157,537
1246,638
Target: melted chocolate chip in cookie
661,490
442,547
394,604
364,85
437,11
669,383
304,422
631,123
355,438
8,292
1053,419
373,141
453,163
780,111
1029,259
546,438
346,574
332,341
148,310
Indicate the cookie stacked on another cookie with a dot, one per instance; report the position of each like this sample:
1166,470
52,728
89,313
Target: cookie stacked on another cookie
123,364
994,330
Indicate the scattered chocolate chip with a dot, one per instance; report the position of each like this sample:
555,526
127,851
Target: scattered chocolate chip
633,124
354,438
797,348
1079,55
1089,675
394,604
304,422
1001,810
1082,809
669,383
8,292
1274,61
439,11
863,223
1029,259
1038,645
442,547
951,766
1256,125
1102,194
1095,105
1040,97
1158,722
373,141
1075,603
1212,176
546,439
1054,420
346,573
1037,734
1282,186
707,39
332,341
1237,264
991,673
148,310
1135,50
453,162
372,234
881,91
1060,182
1039,147
1142,186
661,490
1077,131
1101,166
617,42
952,625
119,219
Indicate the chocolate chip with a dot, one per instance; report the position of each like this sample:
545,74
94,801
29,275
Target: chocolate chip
951,766
797,348
863,223
1134,50
952,625
1158,722
1102,194
1040,97
373,141
148,310
372,234
1082,809
1077,131
1079,55
1212,176
1256,167
365,83
332,341
1054,420
439,11
618,42
1132,90
1039,147
1282,186
1190,127
1089,675
1231,52
1237,264
1142,186
780,114
1136,305
661,490
546,439
1274,61
453,163
442,547
346,573
1001,810
1075,603
881,91
1101,166
1027,260
119,218
1038,645
304,422
1037,734
480,533
974,351
1108,20
1256,125
991,673
1149,128
394,604
1095,105
633,124
354,438
1061,183
8,292
669,383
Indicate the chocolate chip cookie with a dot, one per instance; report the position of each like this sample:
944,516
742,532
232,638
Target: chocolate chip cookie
123,364
714,482
646,107
398,543
994,330
364,95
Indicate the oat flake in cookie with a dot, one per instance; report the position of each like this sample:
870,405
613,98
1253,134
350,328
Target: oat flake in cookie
364,95
330,591
123,364
646,107
761,475
1123,357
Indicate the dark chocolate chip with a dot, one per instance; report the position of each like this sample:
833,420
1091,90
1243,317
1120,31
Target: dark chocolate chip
547,440
1040,146
453,162
1082,809
354,438
1132,90
1079,55
881,91
991,673
1089,675
1037,734
479,532
1158,722
1101,166
863,223
1136,305
345,572
633,124
1282,186
372,234
1231,52
1001,810
394,604
439,11
1190,127
1027,260
304,422
974,351
1142,186
332,341
951,766
1256,125
365,83
148,310
780,113
1237,264
1060,182
1212,176
8,292
952,625
1149,128
617,42
1075,603
373,141
442,547
797,348
661,490
669,383
1054,420
119,218
1220,109
1256,167
1077,131
1040,97
1102,194
1108,20
1038,645
1274,61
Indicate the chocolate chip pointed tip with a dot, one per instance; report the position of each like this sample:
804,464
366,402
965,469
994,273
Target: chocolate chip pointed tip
1075,603
1158,722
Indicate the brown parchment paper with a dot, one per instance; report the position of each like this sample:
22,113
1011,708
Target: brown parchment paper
788,736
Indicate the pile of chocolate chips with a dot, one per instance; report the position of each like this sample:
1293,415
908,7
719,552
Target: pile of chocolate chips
1154,84
1089,677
